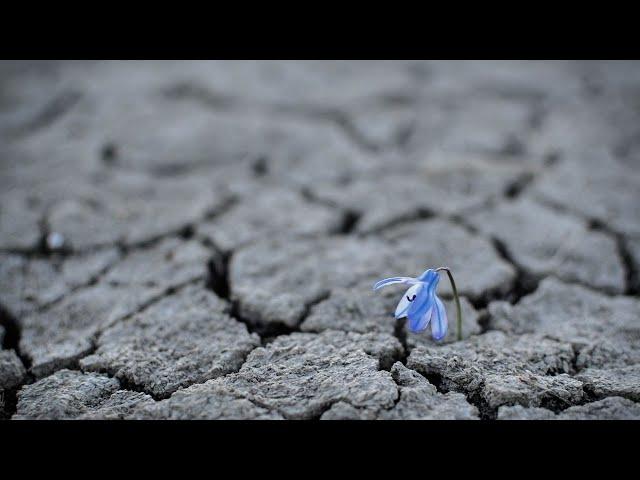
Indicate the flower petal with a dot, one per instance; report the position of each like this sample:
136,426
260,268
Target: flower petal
439,324
421,308
392,280
403,306
418,323
423,302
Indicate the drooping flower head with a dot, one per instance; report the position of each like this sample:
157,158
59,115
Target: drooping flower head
421,305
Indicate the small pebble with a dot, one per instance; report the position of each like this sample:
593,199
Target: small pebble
55,241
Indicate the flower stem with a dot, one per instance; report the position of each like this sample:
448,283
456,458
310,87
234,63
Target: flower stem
457,298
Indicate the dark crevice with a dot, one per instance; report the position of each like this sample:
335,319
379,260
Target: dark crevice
557,404
218,282
126,384
335,116
219,102
109,154
12,335
552,158
416,215
524,283
500,293
187,232
403,135
515,189
218,279
172,290
321,410
353,133
590,396
537,115
77,288
398,98
436,380
462,222
400,333
631,274
51,112
11,328
473,397
8,403
308,195
350,217
267,332
200,94
184,231
484,321
11,341
575,369
549,401
187,228
513,146
349,222
260,166
49,368
484,409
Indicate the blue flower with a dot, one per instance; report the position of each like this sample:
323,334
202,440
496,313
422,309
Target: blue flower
421,305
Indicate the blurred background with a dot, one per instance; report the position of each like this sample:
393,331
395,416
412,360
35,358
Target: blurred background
135,142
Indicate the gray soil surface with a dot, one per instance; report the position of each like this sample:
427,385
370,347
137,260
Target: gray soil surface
198,240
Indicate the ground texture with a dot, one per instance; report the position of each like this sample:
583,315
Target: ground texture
199,239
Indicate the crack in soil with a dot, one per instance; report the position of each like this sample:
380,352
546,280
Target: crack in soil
632,276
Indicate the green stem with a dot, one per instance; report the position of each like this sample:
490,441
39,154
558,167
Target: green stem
457,298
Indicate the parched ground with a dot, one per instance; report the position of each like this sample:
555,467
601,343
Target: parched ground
199,239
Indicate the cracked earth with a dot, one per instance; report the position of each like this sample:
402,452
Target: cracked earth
198,240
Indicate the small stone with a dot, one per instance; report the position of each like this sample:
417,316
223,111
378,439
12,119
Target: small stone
54,241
